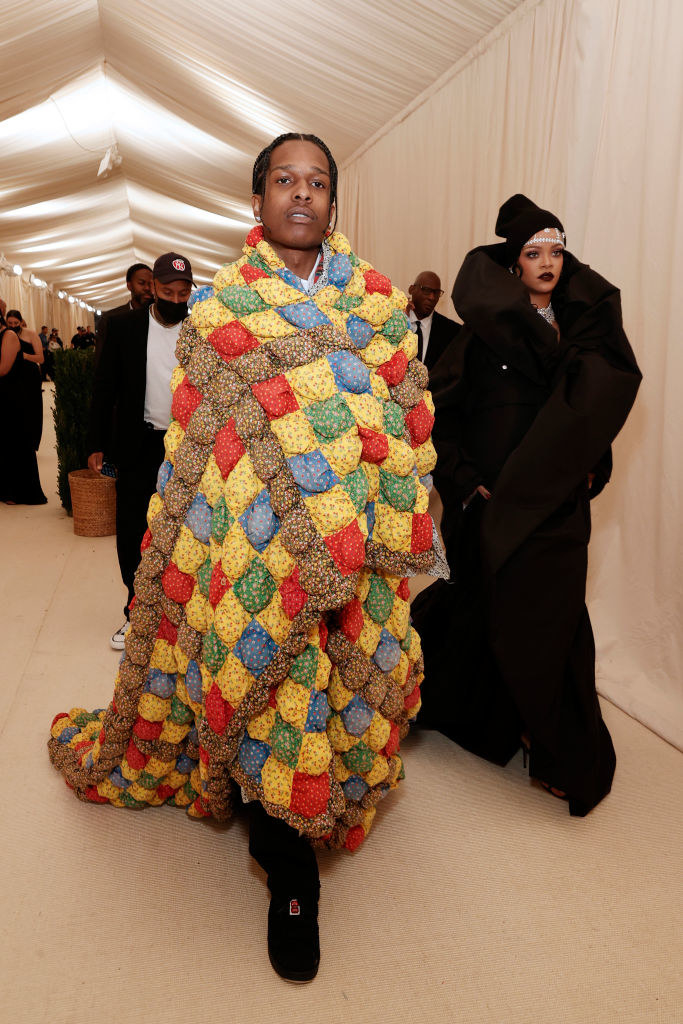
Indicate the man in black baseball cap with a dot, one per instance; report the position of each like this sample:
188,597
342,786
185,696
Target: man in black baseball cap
132,383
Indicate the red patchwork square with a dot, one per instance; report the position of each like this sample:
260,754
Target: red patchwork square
92,795
147,730
232,340
177,585
135,758
376,282
375,446
394,370
218,711
419,422
228,449
412,699
394,741
354,837
293,595
250,273
310,794
255,236
167,631
275,396
403,590
351,620
219,585
421,533
186,399
146,539
347,548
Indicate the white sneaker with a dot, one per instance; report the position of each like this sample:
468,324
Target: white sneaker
118,641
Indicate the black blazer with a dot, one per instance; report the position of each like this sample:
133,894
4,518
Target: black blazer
101,329
441,335
119,387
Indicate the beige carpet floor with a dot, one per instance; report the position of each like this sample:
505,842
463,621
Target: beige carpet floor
476,898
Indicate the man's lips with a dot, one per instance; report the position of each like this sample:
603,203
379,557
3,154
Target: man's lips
300,213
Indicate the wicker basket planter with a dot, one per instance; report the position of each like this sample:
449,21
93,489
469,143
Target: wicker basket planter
93,497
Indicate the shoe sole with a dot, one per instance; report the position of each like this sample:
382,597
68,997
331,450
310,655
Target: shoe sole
294,977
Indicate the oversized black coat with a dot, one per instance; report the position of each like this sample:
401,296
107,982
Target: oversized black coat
508,643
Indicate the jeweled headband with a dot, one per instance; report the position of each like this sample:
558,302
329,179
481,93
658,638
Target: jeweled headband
547,237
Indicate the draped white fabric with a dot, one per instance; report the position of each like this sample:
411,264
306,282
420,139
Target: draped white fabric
579,105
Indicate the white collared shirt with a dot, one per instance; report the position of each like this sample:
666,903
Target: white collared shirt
310,280
161,362
426,326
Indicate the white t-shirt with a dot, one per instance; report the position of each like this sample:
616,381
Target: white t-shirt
426,327
161,362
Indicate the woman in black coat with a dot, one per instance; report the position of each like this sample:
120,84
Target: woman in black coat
527,404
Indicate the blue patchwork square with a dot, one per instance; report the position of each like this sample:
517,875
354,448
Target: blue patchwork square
318,710
350,373
312,472
117,778
290,278
359,331
355,788
198,519
193,682
259,522
164,475
185,765
388,653
304,315
255,648
160,683
356,716
252,756
339,271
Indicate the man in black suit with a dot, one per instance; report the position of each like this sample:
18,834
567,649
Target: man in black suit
132,386
434,331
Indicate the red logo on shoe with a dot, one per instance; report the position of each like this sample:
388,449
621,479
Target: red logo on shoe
294,908
179,264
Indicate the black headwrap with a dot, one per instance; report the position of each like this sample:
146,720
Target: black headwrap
518,220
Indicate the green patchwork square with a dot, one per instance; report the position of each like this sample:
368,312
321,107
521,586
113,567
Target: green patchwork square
189,791
285,742
396,326
180,713
256,260
380,599
130,801
82,719
394,420
204,573
359,758
214,651
330,419
147,781
398,491
345,303
354,259
405,642
241,301
255,588
305,667
221,520
357,486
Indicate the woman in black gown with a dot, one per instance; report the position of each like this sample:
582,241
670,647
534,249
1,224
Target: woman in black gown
19,480
527,405
33,360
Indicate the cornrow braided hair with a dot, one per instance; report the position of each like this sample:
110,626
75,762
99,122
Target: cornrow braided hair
262,163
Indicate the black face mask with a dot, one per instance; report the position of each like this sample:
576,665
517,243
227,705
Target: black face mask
171,312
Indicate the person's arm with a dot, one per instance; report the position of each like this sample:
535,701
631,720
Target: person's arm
37,356
8,352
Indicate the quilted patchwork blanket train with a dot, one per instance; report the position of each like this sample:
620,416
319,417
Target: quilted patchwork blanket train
270,645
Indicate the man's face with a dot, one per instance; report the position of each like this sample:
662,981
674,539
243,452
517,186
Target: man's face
425,293
295,211
140,288
172,291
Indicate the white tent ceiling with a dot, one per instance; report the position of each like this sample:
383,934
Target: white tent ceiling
189,94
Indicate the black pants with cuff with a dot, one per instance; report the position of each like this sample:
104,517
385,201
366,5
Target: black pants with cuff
287,858
135,484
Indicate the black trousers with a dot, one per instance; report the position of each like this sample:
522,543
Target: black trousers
287,858
135,485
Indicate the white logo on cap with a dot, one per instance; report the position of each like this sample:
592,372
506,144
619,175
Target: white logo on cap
179,264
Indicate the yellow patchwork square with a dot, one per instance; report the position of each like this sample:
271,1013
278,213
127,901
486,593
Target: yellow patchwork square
378,351
277,781
315,754
158,768
429,401
207,678
268,324
392,528
378,772
399,620
274,620
415,647
156,503
260,725
129,773
322,674
375,308
312,383
338,736
337,693
368,818
380,388
398,299
278,560
198,611
175,779
172,439
234,680
182,694
421,498
344,454
338,320
408,344
363,586
292,703
211,483
230,618
109,790
331,511
341,772
189,553
276,292
369,636
163,657
326,298
367,411
401,457
425,457
356,286
372,473
401,671
209,314
242,486
173,733
228,274
138,792
153,708
177,378
237,552
181,660
294,433
377,733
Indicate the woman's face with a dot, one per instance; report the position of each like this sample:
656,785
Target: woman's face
295,210
540,262
14,323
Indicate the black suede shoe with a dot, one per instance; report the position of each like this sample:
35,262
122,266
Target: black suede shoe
293,942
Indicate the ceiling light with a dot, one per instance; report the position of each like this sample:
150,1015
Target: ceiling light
71,298
61,295
17,269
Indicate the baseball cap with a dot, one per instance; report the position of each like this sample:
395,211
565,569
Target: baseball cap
172,267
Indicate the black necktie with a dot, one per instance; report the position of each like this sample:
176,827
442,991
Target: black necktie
420,341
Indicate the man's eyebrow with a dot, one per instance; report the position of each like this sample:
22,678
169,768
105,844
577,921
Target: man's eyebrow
292,167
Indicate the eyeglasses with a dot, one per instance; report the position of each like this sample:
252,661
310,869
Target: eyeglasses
436,292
